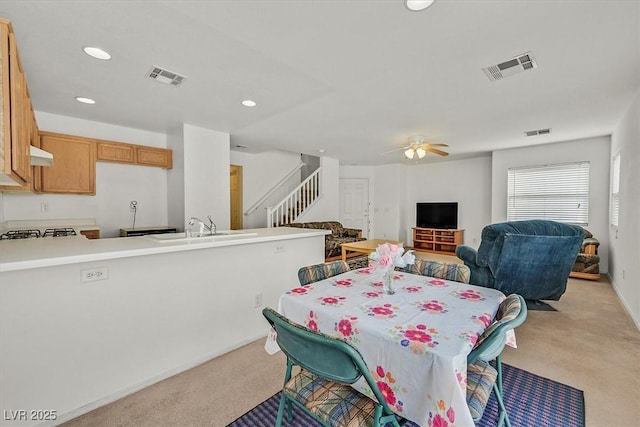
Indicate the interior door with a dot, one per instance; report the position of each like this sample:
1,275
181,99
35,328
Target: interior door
354,204
235,180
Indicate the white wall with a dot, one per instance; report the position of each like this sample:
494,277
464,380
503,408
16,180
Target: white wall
327,207
595,150
206,175
467,182
175,180
624,265
116,184
260,173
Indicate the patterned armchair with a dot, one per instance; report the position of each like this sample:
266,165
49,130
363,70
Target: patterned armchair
587,265
333,241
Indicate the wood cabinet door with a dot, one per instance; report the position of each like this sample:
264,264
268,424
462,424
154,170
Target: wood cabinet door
150,156
115,152
74,164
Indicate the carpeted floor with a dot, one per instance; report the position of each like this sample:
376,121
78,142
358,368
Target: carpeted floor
531,401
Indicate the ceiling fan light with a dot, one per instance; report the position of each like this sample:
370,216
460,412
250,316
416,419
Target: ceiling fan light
418,5
421,152
409,153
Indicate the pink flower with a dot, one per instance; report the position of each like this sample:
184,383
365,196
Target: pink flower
382,311
421,327
419,336
451,414
470,294
330,300
385,261
344,327
312,325
386,391
299,291
380,371
438,421
437,282
432,305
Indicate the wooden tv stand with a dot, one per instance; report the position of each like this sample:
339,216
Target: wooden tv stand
442,241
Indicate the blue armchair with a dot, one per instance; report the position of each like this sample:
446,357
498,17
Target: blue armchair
531,258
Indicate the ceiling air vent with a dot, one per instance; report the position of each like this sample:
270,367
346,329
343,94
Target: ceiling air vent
165,76
537,132
516,65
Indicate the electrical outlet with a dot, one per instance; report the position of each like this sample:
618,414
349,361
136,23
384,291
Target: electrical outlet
94,274
257,300
133,205
280,249
44,206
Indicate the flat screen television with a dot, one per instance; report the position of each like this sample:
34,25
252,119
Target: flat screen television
437,215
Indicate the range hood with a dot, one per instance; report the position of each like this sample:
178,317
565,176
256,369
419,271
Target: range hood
40,157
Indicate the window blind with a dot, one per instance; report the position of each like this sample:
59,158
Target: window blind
615,190
557,192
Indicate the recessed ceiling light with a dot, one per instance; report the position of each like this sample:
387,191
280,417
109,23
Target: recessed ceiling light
418,5
96,52
85,100
249,103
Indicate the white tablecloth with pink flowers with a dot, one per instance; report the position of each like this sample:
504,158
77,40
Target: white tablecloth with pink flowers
415,342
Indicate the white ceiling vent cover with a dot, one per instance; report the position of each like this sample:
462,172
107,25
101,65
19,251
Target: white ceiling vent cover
165,76
515,65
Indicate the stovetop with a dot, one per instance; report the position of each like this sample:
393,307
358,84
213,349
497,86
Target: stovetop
35,233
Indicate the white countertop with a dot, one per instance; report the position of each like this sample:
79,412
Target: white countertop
33,253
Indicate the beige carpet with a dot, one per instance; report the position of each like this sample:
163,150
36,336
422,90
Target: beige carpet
590,343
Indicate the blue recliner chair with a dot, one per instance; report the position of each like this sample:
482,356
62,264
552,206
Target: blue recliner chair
531,258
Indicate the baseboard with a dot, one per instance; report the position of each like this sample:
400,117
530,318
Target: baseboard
67,416
635,319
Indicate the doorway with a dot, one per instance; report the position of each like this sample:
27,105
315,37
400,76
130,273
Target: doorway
354,204
235,180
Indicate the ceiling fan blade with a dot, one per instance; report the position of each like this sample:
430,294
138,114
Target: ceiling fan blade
436,151
394,150
438,145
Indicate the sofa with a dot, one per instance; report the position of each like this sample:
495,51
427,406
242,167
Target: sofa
531,258
587,265
333,241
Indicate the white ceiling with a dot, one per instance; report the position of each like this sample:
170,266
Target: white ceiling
352,78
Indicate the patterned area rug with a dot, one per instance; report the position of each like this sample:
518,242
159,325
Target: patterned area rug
531,401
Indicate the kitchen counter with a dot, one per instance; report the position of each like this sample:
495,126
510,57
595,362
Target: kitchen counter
35,253
86,322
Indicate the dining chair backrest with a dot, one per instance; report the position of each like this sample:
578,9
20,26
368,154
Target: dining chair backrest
512,312
322,355
441,270
314,273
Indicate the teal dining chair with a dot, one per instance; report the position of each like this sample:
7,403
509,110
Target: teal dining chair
482,377
441,270
314,273
322,387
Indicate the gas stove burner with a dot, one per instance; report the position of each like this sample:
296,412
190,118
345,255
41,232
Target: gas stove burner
20,234
59,232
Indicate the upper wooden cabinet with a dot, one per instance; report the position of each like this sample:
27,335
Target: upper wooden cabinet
15,113
74,166
118,152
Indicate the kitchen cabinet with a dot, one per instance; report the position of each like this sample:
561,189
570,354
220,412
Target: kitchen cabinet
74,168
15,113
119,152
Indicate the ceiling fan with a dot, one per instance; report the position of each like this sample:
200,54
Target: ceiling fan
418,147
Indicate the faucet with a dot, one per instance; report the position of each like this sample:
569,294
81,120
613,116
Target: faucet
211,227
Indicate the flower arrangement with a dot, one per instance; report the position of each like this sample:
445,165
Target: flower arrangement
388,256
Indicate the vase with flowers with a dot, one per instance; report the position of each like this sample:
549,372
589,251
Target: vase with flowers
386,258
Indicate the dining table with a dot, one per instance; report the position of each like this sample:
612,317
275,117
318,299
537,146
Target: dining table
415,342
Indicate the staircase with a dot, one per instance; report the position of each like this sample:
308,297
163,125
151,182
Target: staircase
296,202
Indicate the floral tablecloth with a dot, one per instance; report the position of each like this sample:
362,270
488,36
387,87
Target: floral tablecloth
415,342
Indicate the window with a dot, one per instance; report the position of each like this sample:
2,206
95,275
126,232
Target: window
615,190
555,192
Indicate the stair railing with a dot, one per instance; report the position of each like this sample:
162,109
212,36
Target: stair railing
273,189
296,202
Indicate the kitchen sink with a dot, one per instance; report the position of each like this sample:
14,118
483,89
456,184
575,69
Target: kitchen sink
181,237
